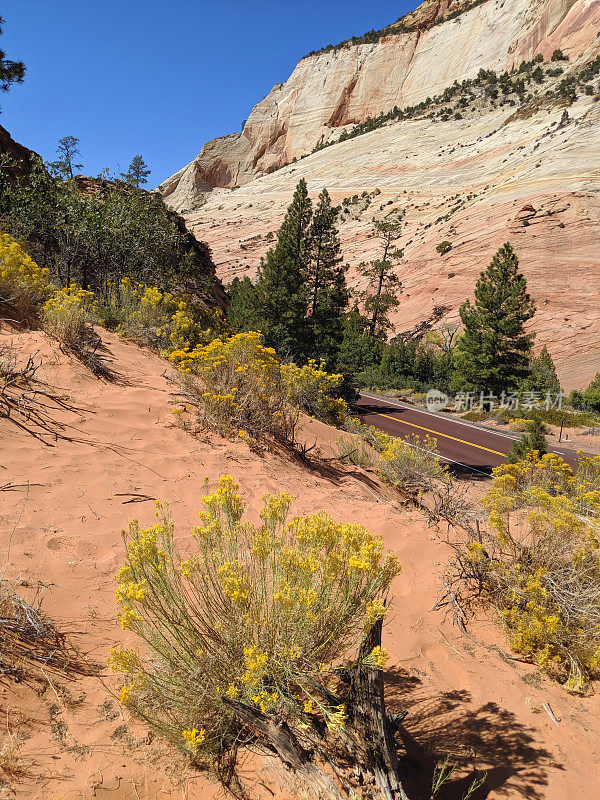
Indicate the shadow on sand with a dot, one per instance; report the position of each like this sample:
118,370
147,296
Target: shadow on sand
486,739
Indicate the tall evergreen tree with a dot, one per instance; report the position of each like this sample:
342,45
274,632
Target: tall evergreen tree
137,172
281,288
326,283
243,311
359,352
493,353
384,286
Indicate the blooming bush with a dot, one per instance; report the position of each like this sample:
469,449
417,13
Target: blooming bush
23,285
412,464
540,564
250,626
66,315
240,384
160,319
312,388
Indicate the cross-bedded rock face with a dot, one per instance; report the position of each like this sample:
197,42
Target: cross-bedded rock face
502,171
347,84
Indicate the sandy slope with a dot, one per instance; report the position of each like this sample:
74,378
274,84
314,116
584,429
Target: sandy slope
73,455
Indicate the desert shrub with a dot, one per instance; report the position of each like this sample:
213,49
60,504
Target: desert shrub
314,390
16,370
538,564
356,451
66,316
550,416
517,424
159,319
413,464
242,638
27,638
532,440
23,285
12,763
240,384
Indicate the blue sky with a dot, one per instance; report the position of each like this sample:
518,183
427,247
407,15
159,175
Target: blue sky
159,78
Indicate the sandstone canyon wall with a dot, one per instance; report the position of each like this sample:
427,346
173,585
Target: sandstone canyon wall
499,172
331,89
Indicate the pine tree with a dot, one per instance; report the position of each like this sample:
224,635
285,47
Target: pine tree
358,352
533,439
384,286
326,283
493,353
68,150
243,311
137,172
542,374
10,71
281,287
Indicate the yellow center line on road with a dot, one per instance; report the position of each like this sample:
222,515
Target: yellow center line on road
437,433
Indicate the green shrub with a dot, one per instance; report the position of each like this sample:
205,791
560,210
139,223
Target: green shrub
444,247
94,232
532,441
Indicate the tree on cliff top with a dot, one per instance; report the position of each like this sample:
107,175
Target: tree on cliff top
137,172
493,353
68,150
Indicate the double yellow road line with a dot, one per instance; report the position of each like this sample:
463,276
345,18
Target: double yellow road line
437,433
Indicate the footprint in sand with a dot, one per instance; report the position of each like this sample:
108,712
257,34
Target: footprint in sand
62,544
58,544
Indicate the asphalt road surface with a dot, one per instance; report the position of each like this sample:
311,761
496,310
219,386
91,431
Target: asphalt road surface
469,449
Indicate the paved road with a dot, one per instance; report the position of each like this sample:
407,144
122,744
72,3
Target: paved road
469,449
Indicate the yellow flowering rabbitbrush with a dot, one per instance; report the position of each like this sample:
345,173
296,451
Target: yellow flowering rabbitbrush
257,615
540,565
242,387
173,324
23,285
67,313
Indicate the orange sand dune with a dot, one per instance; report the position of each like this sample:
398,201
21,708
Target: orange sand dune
87,456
